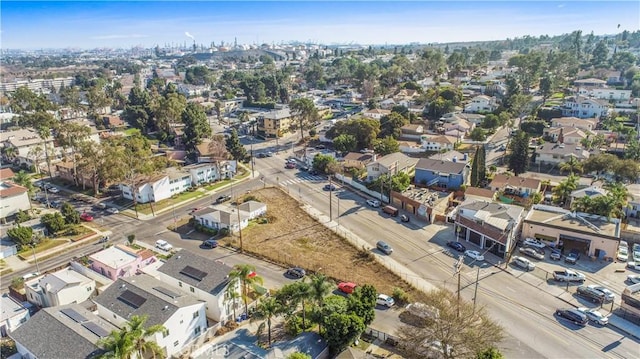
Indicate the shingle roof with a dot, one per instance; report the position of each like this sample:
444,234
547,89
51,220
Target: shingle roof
430,164
500,180
217,273
357,156
71,340
251,206
492,213
6,173
479,192
157,305
399,157
10,189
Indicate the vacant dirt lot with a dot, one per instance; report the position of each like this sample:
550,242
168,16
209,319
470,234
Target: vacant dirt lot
294,238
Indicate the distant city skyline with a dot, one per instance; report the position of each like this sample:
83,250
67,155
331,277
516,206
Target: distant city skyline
122,24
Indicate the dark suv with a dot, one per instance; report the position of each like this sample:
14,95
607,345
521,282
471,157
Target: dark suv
223,199
573,256
590,294
573,315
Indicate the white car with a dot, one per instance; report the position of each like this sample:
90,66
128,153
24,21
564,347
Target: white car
636,256
623,254
474,255
534,243
385,300
53,190
609,296
524,263
594,315
624,244
633,278
113,210
164,245
373,203
633,265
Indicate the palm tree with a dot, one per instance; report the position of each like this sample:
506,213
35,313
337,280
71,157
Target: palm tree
245,273
117,345
9,153
619,196
320,288
563,190
266,310
139,334
231,295
572,166
302,292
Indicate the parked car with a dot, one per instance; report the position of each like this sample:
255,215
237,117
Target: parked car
384,247
112,210
531,252
523,263
573,256
555,254
262,155
385,300
568,275
53,190
404,218
534,243
623,254
373,203
55,204
633,265
87,217
100,205
594,315
290,165
636,256
292,160
164,245
209,243
296,272
633,278
457,246
346,287
590,294
269,154
104,239
223,198
329,187
609,296
573,315
474,255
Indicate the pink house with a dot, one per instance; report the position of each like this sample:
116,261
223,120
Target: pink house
121,261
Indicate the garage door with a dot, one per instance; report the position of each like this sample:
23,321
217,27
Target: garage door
474,237
580,244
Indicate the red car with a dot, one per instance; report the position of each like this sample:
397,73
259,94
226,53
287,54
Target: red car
86,217
290,165
346,287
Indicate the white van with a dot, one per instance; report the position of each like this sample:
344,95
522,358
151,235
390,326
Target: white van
164,245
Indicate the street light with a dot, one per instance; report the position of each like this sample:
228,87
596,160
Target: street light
33,248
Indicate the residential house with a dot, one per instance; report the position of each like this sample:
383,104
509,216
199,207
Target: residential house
204,279
586,124
611,94
233,104
357,159
388,103
29,146
481,103
254,209
479,194
591,191
274,123
64,169
452,156
13,314
236,347
120,261
554,154
583,107
590,83
633,209
181,314
566,135
203,173
59,288
179,180
590,234
220,217
514,185
469,118
411,131
432,172
437,143
113,122
6,174
154,189
13,198
8,247
491,226
69,331
376,113
391,164
615,77
189,90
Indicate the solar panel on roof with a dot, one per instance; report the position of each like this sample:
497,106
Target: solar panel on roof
96,329
193,273
73,314
132,298
167,292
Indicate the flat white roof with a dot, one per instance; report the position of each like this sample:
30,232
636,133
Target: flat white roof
113,257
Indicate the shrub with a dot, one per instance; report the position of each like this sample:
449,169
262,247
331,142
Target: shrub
293,325
203,229
224,232
400,296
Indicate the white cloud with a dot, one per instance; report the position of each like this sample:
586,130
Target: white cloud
112,37
561,6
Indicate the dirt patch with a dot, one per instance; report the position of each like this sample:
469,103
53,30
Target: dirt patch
293,238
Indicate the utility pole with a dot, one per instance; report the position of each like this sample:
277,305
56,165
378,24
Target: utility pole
252,159
475,292
458,268
33,248
330,207
239,224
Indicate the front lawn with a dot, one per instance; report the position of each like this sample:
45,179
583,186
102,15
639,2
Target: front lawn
46,244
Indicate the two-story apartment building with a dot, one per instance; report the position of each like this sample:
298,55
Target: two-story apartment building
491,226
391,164
59,288
120,261
440,173
556,153
583,107
13,198
437,143
28,145
69,331
182,315
274,123
481,103
611,94
586,124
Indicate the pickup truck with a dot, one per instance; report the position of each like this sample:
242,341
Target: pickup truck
568,276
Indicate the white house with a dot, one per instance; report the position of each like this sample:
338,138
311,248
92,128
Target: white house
203,173
220,217
253,209
591,191
155,189
59,288
481,103
555,154
13,198
376,113
181,314
391,164
633,209
583,107
611,94
438,142
587,124
28,145
12,316
202,278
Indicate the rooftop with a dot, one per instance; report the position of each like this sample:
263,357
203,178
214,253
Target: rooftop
56,281
215,274
401,159
10,308
578,222
500,180
495,214
114,257
438,165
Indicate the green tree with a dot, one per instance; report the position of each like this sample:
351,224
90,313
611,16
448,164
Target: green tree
518,159
385,146
362,302
70,214
478,134
132,340
72,135
299,355
600,54
118,345
365,130
243,274
305,111
235,148
562,191
23,179
324,163
196,127
399,182
345,143
572,166
390,125
54,222
294,294
490,353
22,216
168,111
20,235
267,309
342,330
320,288
626,170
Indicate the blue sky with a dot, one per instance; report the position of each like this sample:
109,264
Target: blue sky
92,24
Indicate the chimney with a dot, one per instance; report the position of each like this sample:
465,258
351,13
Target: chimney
464,157
455,159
